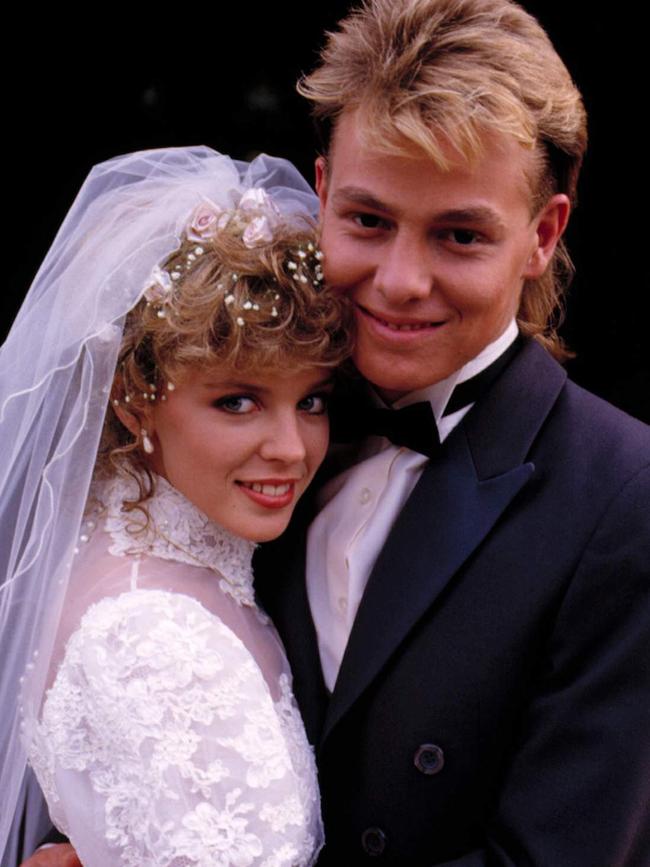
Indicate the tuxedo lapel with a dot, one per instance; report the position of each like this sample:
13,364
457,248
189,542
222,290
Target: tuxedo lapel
446,517
458,499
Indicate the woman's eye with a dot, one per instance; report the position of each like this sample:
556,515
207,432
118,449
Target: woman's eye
236,403
314,404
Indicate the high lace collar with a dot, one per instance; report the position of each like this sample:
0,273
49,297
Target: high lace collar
176,530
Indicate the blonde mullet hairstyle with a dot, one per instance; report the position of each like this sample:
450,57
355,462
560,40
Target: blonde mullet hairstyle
424,74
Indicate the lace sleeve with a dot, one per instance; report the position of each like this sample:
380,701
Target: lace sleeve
160,744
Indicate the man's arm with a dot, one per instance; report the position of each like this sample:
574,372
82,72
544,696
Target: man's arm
577,789
59,855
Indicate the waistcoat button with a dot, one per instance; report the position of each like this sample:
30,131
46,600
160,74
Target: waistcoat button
429,759
373,841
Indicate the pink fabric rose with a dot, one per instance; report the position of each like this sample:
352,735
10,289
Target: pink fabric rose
204,222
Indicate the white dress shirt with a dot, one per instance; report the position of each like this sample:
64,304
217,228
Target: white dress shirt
358,509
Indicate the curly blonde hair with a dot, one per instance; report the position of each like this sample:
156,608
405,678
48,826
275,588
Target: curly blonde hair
259,308
425,73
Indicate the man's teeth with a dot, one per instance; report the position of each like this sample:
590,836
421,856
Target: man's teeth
411,327
269,490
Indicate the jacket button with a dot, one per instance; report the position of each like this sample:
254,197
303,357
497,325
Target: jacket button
373,841
429,759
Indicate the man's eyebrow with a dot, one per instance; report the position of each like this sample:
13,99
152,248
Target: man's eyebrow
477,215
359,196
480,214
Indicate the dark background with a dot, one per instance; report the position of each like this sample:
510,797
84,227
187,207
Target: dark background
80,93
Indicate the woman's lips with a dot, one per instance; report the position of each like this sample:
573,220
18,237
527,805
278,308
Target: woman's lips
270,493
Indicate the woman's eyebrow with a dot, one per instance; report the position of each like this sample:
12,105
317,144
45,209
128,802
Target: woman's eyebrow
233,385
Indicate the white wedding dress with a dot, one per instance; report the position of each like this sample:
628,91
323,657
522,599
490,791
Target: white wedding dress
169,734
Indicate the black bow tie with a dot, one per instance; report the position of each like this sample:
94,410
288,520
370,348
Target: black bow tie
414,426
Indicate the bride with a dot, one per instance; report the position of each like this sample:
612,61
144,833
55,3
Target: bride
163,407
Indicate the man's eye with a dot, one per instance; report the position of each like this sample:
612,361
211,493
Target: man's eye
369,221
314,404
236,403
464,237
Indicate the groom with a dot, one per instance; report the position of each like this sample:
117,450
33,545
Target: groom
468,626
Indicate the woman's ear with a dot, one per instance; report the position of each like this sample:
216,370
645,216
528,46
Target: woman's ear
129,419
134,420
139,424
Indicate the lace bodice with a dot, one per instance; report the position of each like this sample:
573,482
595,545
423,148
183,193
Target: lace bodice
169,734
177,531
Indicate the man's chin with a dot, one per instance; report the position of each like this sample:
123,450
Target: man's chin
392,381
399,372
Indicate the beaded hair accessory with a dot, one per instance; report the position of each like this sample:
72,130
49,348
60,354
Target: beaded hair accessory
255,219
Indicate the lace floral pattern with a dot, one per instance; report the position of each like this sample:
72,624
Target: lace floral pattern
177,531
160,733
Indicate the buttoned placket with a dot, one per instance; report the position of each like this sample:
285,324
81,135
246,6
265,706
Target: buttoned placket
359,508
342,546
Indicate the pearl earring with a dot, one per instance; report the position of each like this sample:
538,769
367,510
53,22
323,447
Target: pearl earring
147,445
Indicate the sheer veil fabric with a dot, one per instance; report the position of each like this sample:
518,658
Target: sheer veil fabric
56,369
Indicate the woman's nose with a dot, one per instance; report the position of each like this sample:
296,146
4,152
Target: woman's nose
284,440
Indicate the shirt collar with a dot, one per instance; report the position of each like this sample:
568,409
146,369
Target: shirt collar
439,393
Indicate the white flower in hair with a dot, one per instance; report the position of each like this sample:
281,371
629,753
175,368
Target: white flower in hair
257,232
264,217
205,221
257,199
159,285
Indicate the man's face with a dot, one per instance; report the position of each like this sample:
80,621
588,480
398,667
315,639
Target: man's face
433,260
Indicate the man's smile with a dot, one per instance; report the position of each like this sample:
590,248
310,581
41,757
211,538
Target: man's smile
392,323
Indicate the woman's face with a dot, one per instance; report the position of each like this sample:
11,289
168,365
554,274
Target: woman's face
242,447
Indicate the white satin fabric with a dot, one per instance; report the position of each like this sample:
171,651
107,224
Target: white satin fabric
169,734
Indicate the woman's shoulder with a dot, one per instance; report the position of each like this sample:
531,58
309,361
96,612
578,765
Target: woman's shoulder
148,667
158,704
169,631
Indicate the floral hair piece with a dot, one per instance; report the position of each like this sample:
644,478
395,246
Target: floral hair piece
255,218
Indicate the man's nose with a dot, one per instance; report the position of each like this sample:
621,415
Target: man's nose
405,269
284,440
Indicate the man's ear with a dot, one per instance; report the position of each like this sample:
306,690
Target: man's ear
550,224
321,180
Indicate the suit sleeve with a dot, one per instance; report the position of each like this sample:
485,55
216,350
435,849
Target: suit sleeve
577,789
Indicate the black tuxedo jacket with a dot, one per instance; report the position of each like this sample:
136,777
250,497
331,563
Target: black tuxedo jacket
492,707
